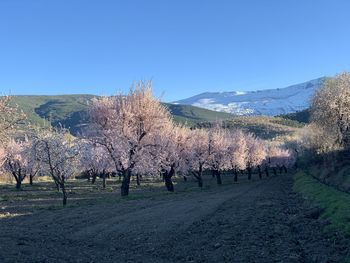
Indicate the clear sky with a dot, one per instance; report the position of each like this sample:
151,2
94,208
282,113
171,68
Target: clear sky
185,46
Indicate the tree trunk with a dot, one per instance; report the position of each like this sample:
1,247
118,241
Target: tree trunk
200,181
18,179
281,169
138,180
168,182
249,173
235,179
64,194
104,180
60,183
213,173
94,176
267,171
125,183
285,169
274,170
57,186
87,173
198,176
259,170
185,179
167,177
218,177
18,184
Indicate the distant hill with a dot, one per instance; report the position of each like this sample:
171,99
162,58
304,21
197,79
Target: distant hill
192,114
265,127
300,116
70,111
66,110
270,102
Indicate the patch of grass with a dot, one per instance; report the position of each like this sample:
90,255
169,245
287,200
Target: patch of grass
336,204
44,178
10,215
288,122
4,198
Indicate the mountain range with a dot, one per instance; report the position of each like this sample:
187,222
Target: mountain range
292,102
70,111
270,102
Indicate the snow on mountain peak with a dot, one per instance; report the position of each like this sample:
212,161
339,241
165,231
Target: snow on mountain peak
261,102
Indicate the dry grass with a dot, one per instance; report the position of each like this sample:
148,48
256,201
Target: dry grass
269,128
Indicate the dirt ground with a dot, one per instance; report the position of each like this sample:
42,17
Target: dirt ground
259,221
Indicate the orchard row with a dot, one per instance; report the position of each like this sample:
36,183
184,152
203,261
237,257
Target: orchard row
132,135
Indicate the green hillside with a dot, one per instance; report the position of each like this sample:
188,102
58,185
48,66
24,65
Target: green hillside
70,111
192,114
66,110
300,116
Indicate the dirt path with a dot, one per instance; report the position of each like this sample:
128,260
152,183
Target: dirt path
250,222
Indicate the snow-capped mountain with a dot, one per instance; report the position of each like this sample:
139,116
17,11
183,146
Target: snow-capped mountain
261,102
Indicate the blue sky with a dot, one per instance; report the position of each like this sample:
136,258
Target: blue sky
185,46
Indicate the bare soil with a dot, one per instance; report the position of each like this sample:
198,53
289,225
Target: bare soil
259,221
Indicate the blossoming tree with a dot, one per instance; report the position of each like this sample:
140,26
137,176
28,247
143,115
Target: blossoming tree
57,152
126,126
